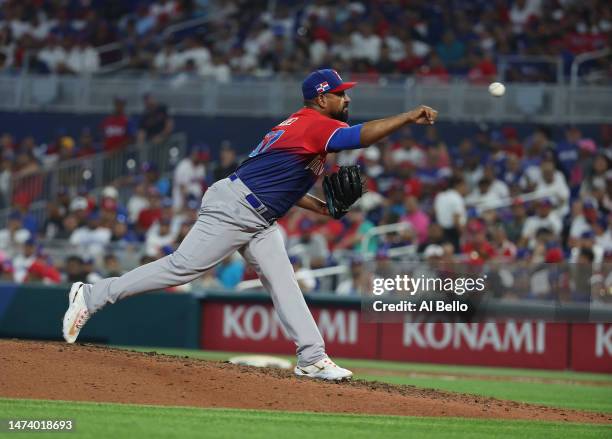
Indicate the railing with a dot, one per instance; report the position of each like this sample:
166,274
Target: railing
505,61
113,55
458,101
317,274
383,230
92,172
584,57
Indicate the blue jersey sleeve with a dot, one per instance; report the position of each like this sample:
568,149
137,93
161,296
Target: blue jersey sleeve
345,138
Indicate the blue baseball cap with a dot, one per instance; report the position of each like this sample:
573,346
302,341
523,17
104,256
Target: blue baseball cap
324,81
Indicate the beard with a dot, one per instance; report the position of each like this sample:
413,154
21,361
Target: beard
342,115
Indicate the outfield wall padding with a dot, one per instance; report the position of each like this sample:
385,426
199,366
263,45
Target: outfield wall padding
230,321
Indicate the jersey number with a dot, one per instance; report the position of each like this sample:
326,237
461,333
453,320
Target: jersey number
267,142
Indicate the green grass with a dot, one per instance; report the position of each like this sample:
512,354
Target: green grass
585,395
132,421
574,396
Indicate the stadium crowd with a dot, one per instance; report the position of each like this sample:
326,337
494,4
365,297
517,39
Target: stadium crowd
429,40
493,197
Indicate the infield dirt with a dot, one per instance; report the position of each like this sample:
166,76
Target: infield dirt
58,371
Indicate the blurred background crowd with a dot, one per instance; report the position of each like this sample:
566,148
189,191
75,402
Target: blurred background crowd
432,40
493,197
500,195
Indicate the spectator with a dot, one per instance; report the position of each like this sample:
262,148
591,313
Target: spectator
83,58
122,236
515,224
354,231
23,260
157,240
92,238
112,267
138,202
451,52
418,220
152,212
116,128
305,278
476,247
230,272
450,210
189,176
227,161
168,60
551,184
310,244
14,234
73,269
359,283
155,124
365,44
546,219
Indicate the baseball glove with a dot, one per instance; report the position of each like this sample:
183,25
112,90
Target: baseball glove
342,189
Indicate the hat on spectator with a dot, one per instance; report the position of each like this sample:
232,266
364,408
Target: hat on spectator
15,215
67,142
546,202
510,132
523,253
78,203
323,81
201,150
475,226
433,250
589,204
587,234
372,153
553,255
587,145
193,203
148,167
356,260
110,192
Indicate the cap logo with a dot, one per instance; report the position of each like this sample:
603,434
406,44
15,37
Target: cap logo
322,87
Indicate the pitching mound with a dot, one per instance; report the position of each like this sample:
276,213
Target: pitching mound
58,371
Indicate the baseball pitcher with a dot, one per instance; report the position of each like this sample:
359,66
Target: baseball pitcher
240,213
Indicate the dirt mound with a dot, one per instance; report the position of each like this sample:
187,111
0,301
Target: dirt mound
58,371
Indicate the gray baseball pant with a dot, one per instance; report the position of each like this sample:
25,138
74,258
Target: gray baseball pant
226,223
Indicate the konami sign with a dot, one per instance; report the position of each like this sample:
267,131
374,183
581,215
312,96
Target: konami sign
511,336
509,343
592,347
256,328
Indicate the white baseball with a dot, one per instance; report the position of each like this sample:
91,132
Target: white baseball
497,89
